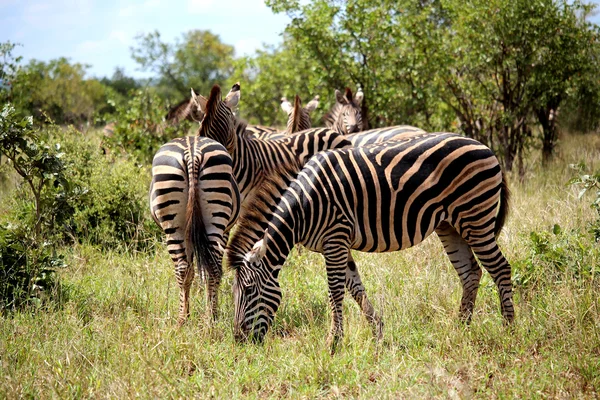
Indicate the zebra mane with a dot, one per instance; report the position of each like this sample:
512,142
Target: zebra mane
296,115
262,203
212,107
178,111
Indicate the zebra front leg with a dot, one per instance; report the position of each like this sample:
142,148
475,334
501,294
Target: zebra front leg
466,267
336,261
355,286
185,276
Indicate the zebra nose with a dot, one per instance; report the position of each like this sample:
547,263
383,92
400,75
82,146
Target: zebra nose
352,128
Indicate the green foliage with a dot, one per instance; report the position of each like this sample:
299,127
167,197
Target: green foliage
265,80
555,256
38,163
197,61
106,201
495,67
27,260
589,183
28,267
9,67
140,128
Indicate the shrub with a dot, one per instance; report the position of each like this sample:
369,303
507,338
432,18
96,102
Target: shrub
140,128
27,267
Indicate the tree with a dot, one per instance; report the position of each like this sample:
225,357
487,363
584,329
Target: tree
196,61
508,61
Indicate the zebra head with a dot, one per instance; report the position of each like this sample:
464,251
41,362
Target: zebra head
298,116
219,119
345,117
256,294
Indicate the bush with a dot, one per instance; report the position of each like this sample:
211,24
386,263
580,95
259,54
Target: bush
589,183
556,256
27,267
140,127
106,202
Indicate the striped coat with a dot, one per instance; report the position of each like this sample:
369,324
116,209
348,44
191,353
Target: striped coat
377,198
195,200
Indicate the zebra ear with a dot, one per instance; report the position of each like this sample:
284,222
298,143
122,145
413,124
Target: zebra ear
339,97
233,97
286,105
312,105
359,96
199,101
257,253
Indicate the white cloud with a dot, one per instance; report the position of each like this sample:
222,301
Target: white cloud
247,46
247,7
199,6
133,9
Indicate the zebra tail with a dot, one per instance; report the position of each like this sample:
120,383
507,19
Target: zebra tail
504,206
195,230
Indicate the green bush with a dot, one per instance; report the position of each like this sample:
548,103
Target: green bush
589,183
106,202
556,256
140,127
27,267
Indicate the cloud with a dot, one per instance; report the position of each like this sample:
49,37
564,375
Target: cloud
247,46
199,6
134,9
246,7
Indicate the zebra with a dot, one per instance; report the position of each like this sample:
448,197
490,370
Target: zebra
438,182
298,119
345,116
194,199
184,110
254,158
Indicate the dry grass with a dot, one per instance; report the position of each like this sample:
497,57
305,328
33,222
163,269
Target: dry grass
115,336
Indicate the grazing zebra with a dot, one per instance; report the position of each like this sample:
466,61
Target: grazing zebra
379,198
298,119
254,158
345,116
194,199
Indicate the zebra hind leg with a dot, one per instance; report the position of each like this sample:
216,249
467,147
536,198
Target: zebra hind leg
185,276
466,267
492,259
355,286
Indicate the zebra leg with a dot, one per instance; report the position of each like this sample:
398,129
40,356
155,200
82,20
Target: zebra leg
487,251
355,286
466,267
185,276
336,261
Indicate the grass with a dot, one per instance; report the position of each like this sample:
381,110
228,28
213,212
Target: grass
115,334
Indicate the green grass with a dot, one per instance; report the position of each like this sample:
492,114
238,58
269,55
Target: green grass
115,334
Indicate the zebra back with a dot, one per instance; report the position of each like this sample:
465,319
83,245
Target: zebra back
194,199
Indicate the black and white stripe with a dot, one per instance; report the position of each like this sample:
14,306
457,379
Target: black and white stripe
194,199
345,116
378,198
298,120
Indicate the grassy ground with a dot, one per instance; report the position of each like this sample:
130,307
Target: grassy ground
115,334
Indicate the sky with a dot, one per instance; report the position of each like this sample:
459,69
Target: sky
100,33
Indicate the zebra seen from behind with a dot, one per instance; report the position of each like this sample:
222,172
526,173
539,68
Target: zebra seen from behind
253,158
378,198
195,200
